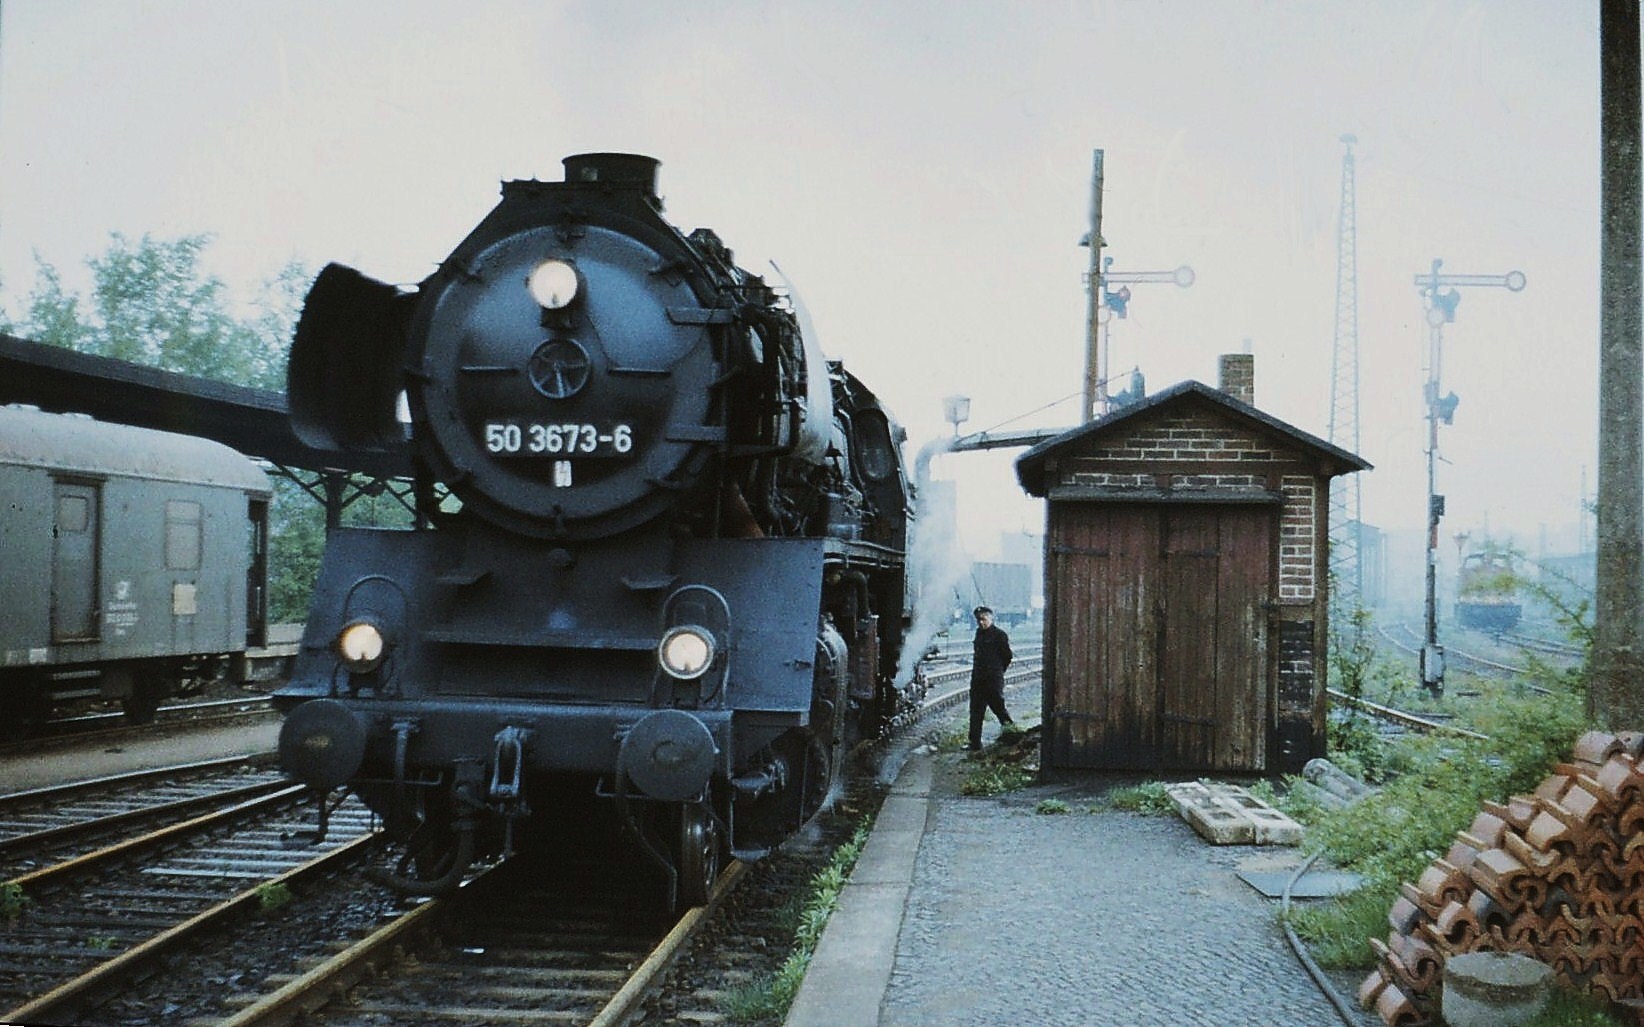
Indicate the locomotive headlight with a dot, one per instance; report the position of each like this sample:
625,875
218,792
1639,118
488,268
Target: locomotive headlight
686,652
553,284
360,646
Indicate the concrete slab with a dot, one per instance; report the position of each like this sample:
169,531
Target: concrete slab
1315,884
1225,814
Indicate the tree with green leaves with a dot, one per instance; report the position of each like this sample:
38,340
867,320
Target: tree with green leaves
153,302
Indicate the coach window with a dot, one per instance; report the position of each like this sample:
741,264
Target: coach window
182,535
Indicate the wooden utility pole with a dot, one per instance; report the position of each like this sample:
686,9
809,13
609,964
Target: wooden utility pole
1095,388
1615,688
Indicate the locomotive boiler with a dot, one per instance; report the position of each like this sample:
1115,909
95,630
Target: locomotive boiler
657,577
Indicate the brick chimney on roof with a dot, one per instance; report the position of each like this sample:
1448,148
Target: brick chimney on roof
1238,377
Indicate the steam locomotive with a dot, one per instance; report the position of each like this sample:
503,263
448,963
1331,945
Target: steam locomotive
658,572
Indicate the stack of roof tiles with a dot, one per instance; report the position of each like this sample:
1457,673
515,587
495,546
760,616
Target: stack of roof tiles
1557,875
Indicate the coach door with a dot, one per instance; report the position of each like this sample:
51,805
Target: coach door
74,563
256,574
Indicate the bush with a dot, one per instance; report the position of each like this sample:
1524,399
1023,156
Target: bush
1392,835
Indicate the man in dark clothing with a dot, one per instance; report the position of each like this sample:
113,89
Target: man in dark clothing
987,675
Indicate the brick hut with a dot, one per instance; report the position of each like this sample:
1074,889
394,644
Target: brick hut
1186,556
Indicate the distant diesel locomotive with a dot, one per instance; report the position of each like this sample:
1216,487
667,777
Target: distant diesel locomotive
133,563
658,572
1487,592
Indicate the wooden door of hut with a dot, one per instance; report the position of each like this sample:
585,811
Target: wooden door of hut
1158,618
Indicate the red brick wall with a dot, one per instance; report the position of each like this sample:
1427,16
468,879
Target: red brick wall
1298,531
1196,451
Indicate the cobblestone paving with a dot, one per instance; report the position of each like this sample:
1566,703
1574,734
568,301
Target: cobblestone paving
1087,919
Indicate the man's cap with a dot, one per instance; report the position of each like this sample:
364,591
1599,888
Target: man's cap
981,610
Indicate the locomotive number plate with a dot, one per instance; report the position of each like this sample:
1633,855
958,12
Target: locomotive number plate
565,439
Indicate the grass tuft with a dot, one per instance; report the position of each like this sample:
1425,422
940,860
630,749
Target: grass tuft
1149,799
770,997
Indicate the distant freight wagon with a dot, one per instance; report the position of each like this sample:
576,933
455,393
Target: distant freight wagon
132,563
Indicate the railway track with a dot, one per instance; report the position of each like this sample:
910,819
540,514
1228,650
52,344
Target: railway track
102,908
1543,645
1405,720
1462,658
111,729
79,931
183,711
65,821
581,949
507,948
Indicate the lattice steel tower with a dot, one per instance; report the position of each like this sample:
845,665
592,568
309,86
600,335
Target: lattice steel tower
1346,572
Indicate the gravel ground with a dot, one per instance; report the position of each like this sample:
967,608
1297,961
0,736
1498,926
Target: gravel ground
1088,919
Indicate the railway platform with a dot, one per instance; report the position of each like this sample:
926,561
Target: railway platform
965,912
68,760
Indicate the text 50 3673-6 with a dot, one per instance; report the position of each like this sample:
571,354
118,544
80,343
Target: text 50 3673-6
535,438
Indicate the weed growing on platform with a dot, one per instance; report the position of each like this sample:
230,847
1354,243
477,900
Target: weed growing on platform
984,778
1338,930
1568,1009
1393,834
1149,799
1051,807
771,996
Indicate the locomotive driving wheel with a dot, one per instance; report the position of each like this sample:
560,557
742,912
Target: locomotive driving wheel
698,853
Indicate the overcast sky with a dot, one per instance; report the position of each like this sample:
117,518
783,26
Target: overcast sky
921,171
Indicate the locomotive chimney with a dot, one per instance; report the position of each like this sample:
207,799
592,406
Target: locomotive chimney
613,169
1238,377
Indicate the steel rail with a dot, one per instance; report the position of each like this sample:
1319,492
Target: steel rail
67,999
1407,719
310,991
69,832
91,725
1028,669
84,863
1466,657
626,1001
1543,645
